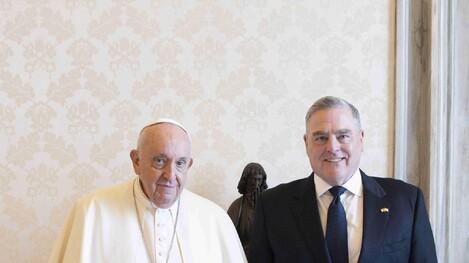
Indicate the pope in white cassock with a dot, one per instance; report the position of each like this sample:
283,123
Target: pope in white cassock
151,218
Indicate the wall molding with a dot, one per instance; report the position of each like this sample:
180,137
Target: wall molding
425,94
402,86
442,112
412,93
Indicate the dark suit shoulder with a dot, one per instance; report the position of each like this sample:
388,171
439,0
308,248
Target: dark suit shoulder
395,192
395,185
286,190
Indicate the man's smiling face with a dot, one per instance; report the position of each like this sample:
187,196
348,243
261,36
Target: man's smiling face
334,143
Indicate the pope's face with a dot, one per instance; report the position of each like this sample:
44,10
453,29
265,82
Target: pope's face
161,161
334,143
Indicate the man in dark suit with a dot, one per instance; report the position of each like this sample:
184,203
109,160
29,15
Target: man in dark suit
338,213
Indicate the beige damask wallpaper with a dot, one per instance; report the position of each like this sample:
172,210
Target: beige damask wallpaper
78,79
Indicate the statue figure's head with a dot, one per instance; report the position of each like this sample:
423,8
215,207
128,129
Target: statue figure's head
253,179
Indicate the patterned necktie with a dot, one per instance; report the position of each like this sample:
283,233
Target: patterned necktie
336,231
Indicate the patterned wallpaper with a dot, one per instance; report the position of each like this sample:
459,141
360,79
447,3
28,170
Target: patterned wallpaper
79,78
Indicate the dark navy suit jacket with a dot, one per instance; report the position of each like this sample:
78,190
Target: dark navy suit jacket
287,227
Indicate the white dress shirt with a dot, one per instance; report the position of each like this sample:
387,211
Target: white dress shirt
352,200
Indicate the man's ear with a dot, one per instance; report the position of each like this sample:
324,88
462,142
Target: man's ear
362,135
135,161
190,163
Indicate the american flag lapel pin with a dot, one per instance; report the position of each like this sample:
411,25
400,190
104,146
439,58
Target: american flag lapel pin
384,210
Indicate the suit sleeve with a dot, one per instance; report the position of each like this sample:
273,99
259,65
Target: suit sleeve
423,244
259,248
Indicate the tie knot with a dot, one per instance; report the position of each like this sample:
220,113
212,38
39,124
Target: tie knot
337,190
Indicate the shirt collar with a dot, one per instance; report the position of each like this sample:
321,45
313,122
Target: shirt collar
353,185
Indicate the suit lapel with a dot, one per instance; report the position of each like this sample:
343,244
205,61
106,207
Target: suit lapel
305,211
375,216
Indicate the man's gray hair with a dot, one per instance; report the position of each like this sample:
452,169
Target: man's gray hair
330,102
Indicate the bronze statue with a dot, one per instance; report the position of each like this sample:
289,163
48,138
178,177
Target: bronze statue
252,183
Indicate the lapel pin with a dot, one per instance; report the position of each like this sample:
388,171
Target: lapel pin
384,210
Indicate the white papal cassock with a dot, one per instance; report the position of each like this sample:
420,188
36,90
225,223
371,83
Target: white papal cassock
104,227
